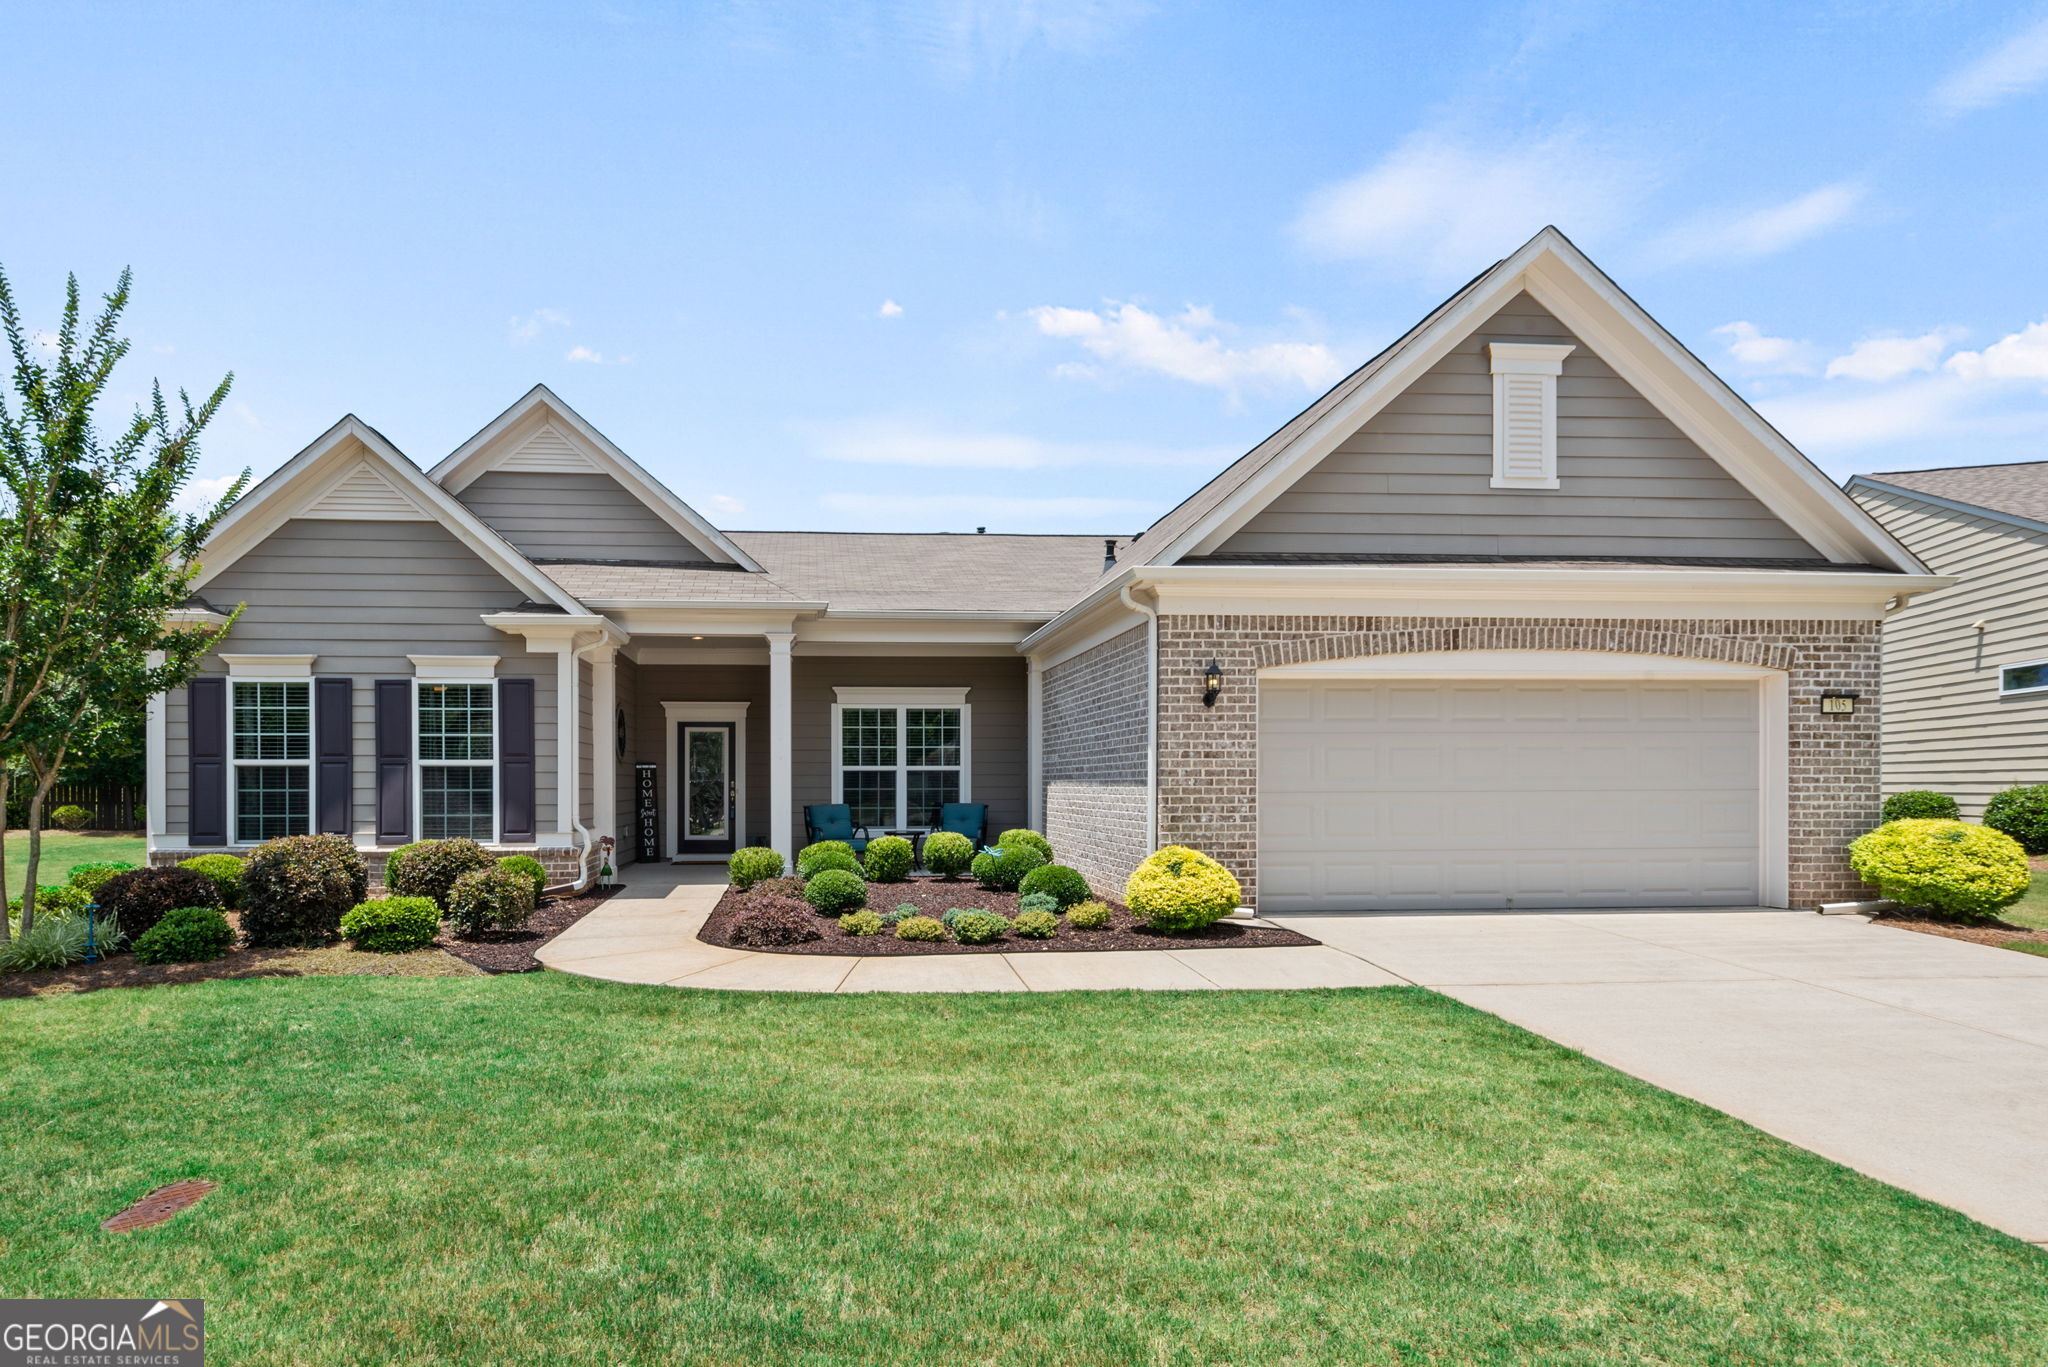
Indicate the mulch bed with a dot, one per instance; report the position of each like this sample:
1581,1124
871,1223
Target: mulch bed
933,897
2000,933
511,951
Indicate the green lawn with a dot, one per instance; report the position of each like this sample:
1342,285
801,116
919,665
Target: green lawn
2031,910
62,850
546,1169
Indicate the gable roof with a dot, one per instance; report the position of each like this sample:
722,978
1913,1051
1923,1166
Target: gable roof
1018,576
570,444
352,472
2020,489
1559,277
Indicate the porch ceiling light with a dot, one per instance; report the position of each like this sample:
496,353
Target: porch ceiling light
1212,682
1837,702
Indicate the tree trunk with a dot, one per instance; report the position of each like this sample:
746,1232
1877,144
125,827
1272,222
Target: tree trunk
45,780
5,778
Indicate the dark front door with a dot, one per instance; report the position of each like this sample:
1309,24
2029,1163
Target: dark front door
706,807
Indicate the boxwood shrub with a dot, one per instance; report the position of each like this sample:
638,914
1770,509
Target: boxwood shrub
395,860
1021,836
1951,867
529,868
827,861
1920,805
1036,925
948,853
1181,889
224,869
52,901
978,927
296,889
1088,916
433,867
2022,813
392,925
858,923
819,848
1064,885
889,859
140,898
751,865
70,817
1003,868
920,928
88,877
489,898
834,890
185,935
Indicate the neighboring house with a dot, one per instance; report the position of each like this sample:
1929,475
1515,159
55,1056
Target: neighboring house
1966,670
1529,611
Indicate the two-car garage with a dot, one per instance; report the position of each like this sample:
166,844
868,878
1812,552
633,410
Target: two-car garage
1483,788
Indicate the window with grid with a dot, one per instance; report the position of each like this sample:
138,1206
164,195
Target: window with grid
897,765
272,731
458,761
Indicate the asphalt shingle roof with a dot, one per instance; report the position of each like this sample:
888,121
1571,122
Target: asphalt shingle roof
2020,489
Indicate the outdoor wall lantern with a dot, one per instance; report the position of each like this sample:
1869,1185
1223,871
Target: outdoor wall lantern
1838,703
1212,682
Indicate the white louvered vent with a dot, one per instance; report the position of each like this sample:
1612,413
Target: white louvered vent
549,452
366,494
1525,413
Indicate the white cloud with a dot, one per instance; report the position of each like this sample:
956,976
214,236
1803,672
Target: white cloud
916,442
1760,232
1000,512
2012,68
200,494
585,354
1442,205
889,309
1188,346
725,505
964,38
527,328
1753,350
2021,355
1879,359
45,342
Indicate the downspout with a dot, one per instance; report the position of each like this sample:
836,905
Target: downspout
570,745
1151,615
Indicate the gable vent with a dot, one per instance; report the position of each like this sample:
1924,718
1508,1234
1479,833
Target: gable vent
1525,413
549,452
365,494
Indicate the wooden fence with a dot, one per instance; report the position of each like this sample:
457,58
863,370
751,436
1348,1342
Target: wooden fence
114,806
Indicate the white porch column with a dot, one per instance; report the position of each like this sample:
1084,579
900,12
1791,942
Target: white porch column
568,728
1034,740
604,757
780,754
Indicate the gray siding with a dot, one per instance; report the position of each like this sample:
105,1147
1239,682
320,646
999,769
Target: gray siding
1415,478
1945,726
565,516
648,740
362,596
1095,760
627,683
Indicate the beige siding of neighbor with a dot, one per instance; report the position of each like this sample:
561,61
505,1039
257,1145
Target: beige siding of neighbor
565,516
362,596
1945,725
1415,479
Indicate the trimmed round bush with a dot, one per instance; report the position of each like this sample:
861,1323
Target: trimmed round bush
2022,813
820,847
835,890
1181,889
1021,836
53,900
827,861
781,922
489,898
1004,868
185,935
1951,867
979,927
1064,885
948,853
1088,916
920,928
889,859
1036,925
142,897
88,877
70,817
392,925
396,859
530,868
754,864
224,869
432,868
1921,806
860,923
296,889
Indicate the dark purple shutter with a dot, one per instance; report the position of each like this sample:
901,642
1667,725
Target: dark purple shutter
206,761
515,760
394,761
334,756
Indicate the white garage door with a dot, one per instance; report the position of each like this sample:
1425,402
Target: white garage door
1381,794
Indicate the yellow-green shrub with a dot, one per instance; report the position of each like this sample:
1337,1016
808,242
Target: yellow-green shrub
1088,916
1181,889
1951,867
860,923
948,853
919,928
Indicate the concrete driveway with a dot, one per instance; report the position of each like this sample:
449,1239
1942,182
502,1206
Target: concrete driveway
1918,1060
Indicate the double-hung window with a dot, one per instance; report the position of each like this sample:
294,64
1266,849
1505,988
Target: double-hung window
272,727
899,754
458,758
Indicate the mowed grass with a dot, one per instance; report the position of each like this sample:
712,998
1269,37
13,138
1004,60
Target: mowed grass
549,1170
63,851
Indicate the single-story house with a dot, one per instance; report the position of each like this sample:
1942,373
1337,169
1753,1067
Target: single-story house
1966,670
1530,610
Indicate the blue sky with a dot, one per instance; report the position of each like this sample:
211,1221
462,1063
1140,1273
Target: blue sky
1038,266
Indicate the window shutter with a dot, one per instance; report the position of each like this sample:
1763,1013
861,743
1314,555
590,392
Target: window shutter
1525,413
515,760
394,761
206,749
334,756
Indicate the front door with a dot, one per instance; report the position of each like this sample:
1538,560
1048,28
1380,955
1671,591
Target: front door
706,810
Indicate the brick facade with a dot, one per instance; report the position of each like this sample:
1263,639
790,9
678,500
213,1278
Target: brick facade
1208,757
1095,760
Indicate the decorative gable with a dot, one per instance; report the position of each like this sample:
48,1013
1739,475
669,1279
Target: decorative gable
548,452
365,494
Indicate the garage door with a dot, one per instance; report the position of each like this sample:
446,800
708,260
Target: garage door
1382,794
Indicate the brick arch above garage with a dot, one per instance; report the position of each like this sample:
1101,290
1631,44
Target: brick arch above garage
1436,638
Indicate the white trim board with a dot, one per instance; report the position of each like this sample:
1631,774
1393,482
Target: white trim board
673,713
